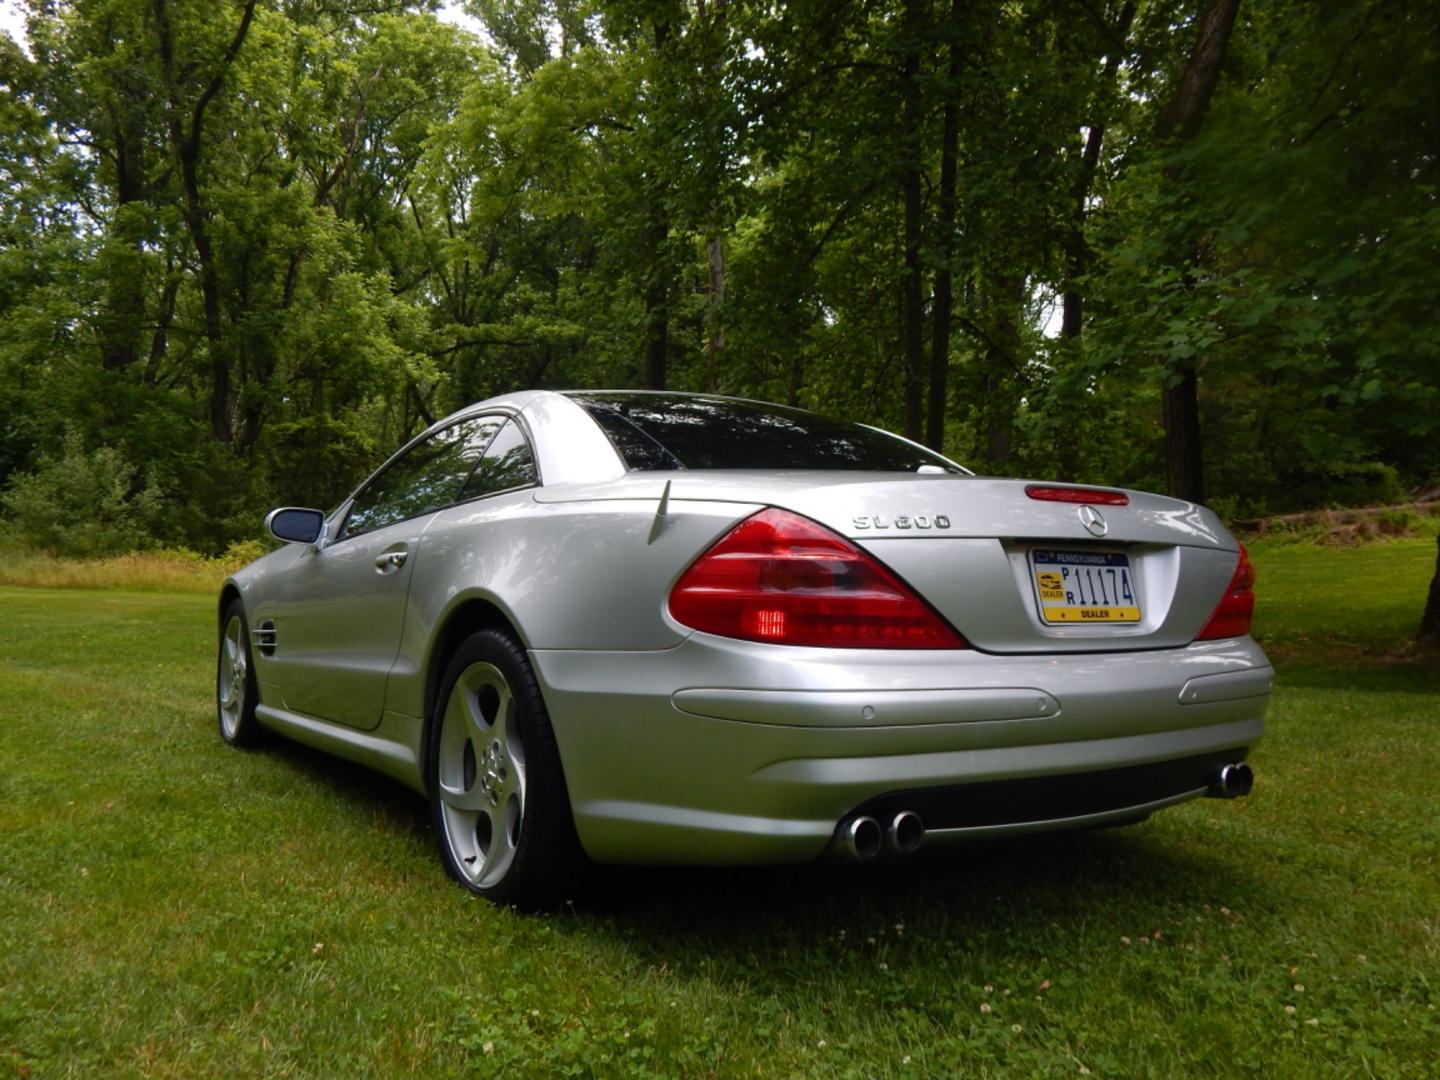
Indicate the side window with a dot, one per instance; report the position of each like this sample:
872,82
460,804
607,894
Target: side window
427,478
508,463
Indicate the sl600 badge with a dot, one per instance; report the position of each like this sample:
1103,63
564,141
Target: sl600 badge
901,521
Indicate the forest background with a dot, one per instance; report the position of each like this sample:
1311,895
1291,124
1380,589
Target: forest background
249,247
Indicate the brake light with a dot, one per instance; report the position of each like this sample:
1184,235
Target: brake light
781,578
1049,493
1232,615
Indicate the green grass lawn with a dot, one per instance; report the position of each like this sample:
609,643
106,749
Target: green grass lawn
172,907
1324,605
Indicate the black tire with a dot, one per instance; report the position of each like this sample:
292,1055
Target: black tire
497,790
236,690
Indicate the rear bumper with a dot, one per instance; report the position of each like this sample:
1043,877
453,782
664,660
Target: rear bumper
1052,801
721,752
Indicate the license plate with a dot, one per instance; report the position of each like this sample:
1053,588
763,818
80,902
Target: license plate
1084,586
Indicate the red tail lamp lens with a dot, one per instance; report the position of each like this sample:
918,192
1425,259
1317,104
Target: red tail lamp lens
1232,616
1092,496
781,578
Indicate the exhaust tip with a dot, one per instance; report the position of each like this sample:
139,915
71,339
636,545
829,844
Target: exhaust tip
906,833
860,838
1233,781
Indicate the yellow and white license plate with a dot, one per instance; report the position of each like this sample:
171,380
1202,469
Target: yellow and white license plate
1084,586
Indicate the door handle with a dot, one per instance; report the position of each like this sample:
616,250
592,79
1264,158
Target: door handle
391,560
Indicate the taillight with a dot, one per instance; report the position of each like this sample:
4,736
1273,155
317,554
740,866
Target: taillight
1052,493
1232,615
781,578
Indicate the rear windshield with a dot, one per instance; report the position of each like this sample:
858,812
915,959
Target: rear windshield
684,431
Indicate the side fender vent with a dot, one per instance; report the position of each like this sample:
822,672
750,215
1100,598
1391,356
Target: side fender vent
265,638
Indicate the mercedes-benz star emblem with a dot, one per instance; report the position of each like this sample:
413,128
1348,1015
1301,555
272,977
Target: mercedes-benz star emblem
1093,522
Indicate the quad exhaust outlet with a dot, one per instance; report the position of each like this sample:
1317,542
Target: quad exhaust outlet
906,833
862,838
1232,781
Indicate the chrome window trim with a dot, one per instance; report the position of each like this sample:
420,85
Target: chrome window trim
502,413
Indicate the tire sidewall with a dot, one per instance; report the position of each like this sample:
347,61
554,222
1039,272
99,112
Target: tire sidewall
526,882
247,729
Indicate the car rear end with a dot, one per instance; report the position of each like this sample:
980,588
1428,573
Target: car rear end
743,745
865,663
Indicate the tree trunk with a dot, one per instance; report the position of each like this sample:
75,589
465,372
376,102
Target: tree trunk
194,215
715,338
712,15
1184,462
912,331
657,285
1429,636
1179,121
945,222
657,308
1004,302
1185,111
124,313
1077,252
160,339
186,129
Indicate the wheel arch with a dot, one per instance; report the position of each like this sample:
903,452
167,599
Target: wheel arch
467,617
229,593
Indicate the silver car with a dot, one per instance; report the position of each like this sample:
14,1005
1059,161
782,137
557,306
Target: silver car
673,628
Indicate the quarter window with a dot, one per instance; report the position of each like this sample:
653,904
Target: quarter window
508,463
428,477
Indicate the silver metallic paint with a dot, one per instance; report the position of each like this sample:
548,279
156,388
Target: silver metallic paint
783,783
339,620
684,747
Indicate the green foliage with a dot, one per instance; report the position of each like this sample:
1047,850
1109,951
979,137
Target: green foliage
259,270
81,503
1311,197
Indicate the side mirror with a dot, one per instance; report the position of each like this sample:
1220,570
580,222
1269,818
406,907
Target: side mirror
295,525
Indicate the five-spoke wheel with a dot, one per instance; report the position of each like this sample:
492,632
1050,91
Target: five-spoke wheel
481,778
498,793
236,694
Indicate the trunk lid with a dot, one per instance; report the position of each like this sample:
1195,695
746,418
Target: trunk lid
972,547
980,549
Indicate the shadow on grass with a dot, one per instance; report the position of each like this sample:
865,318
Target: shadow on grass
1113,881
364,789
1015,896
1401,674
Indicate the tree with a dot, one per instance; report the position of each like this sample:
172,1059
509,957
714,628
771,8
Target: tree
1429,637
254,245
220,186
1179,121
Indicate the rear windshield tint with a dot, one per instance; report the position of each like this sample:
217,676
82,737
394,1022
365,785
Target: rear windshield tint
681,431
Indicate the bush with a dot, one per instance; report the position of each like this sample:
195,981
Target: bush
1349,483
82,504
